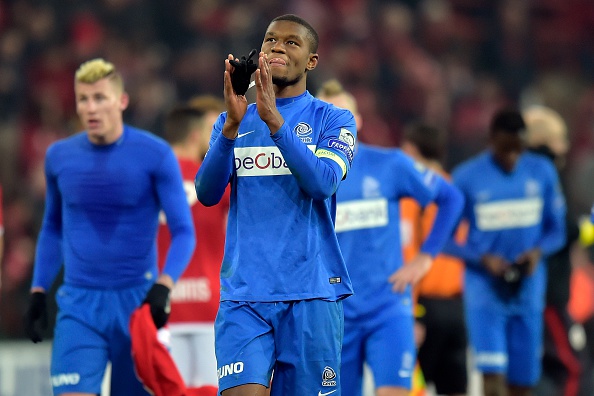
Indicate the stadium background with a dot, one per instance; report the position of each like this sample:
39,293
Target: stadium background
449,62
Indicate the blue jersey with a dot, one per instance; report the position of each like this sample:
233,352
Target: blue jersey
102,208
368,224
509,214
281,244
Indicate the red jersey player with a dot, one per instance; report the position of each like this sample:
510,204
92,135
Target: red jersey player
195,298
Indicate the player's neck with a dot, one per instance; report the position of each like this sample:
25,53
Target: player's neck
290,91
186,152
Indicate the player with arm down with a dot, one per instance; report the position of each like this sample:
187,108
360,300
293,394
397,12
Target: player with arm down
379,318
195,297
105,188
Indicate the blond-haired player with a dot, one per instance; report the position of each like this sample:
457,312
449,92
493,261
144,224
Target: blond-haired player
105,188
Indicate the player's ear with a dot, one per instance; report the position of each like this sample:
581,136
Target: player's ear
312,62
124,101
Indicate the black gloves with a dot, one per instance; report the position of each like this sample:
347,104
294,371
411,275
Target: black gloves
240,78
158,299
514,275
36,317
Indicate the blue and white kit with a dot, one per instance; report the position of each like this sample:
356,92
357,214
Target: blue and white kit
508,215
281,246
368,228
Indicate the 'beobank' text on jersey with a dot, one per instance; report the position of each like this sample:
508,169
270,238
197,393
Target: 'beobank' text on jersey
368,225
281,244
509,214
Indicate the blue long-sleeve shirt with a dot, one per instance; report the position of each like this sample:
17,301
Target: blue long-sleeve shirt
281,244
101,212
509,214
368,224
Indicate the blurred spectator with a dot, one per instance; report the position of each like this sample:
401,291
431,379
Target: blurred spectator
1,236
195,297
566,367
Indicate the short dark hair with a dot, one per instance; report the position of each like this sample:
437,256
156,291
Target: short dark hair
180,121
508,120
314,39
429,140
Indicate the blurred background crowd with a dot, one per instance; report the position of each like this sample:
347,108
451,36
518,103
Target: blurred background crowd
451,63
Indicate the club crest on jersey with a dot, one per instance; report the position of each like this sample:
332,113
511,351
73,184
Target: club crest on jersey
328,377
303,131
371,187
532,188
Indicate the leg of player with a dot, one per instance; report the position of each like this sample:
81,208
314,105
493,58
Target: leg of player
247,390
515,390
494,384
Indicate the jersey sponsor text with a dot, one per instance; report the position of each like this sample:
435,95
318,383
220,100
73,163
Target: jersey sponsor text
261,161
513,213
361,214
191,290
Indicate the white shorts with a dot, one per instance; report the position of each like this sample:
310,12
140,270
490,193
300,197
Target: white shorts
192,348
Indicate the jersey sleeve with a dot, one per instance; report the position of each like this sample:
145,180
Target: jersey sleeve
415,180
338,139
169,186
449,201
216,169
473,247
318,177
48,255
554,211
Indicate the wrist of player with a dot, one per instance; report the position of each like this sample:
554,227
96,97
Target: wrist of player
36,317
158,299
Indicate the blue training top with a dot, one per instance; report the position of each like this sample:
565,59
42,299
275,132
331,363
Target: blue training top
509,214
281,244
368,224
101,212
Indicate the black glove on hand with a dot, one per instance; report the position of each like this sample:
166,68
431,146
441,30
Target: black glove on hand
240,78
158,299
36,317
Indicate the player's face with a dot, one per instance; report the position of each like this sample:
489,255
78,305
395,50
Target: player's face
507,149
287,45
99,106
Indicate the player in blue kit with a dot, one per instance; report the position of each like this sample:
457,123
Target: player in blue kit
378,328
283,276
516,214
105,188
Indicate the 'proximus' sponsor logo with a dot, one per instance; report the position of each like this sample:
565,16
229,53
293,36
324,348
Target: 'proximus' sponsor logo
261,161
361,214
343,147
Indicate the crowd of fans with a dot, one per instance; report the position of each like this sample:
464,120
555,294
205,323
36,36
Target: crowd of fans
450,63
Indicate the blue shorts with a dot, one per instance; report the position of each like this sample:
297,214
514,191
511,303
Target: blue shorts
92,329
386,345
299,340
509,344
